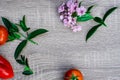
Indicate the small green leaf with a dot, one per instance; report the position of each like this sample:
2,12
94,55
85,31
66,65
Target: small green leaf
27,71
89,9
84,18
109,12
11,38
20,62
80,3
92,31
13,35
26,68
99,20
14,27
36,33
10,26
74,14
23,58
23,26
17,36
20,48
27,62
6,23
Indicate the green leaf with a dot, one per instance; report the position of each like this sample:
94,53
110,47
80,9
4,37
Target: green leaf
10,26
20,62
89,9
13,35
27,62
11,38
99,20
84,18
80,3
6,23
109,12
14,27
92,31
23,26
20,48
17,36
36,33
23,58
27,71
74,14
26,68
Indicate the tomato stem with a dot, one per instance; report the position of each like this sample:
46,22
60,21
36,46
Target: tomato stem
74,77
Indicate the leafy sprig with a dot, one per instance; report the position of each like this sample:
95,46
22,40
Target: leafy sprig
20,48
101,22
87,16
15,34
23,24
24,61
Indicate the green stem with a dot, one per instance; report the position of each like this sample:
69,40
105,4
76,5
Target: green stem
28,39
32,41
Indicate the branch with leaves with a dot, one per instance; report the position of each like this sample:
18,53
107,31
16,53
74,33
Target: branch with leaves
87,16
72,12
15,34
100,21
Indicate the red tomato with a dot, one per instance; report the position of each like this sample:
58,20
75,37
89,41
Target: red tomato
6,70
73,74
3,35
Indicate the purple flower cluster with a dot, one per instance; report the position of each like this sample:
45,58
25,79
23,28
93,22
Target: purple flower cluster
66,10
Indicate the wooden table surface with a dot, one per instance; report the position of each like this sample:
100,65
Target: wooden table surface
61,49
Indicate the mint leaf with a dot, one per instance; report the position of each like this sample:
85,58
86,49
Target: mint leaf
36,33
17,36
109,12
84,18
26,68
99,20
26,62
20,62
27,71
11,38
89,9
10,26
23,24
22,58
20,48
92,31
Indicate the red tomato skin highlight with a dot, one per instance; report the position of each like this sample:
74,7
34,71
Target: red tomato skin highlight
3,35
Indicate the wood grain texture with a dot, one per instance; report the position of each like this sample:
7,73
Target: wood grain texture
61,49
